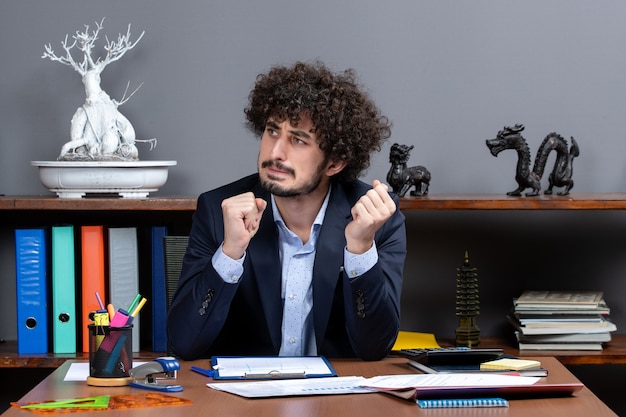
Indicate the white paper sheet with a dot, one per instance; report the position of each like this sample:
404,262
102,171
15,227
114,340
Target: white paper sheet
294,387
447,380
360,385
79,371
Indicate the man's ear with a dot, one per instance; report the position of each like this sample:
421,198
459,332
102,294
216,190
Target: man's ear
335,167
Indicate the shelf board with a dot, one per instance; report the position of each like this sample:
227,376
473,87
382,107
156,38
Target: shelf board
168,203
614,354
10,359
574,201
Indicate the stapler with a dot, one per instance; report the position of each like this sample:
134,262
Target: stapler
155,374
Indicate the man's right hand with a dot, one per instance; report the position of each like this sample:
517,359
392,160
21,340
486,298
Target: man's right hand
242,215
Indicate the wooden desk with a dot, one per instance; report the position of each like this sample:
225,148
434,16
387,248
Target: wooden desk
208,402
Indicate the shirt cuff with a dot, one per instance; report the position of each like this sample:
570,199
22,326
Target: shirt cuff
356,265
228,268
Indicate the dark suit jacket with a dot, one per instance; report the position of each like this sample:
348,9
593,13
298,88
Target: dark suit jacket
353,317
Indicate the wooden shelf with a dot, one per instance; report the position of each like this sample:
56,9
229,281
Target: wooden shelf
580,201
10,359
613,354
575,201
169,203
180,209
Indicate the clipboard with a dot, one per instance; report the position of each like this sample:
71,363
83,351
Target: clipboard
271,367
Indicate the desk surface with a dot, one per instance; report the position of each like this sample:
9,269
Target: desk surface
208,402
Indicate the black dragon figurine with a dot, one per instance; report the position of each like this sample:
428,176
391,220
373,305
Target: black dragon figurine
561,175
401,178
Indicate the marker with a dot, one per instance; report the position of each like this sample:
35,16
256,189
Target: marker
136,311
132,305
120,319
138,307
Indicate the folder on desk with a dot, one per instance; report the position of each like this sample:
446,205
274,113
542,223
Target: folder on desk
63,290
413,387
32,290
274,367
159,299
93,275
124,272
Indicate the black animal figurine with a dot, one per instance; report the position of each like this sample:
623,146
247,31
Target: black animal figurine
401,178
561,175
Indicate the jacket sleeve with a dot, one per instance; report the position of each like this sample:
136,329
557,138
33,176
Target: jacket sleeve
202,299
372,300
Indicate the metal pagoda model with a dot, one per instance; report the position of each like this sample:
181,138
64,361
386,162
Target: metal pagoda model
467,305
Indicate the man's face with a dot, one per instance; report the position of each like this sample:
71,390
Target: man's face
290,161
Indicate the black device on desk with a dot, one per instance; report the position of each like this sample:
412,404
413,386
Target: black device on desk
451,356
455,359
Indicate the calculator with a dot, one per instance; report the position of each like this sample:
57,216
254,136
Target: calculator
451,355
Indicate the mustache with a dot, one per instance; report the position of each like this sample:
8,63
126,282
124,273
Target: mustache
278,165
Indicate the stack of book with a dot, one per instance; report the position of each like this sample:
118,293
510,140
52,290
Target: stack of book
561,320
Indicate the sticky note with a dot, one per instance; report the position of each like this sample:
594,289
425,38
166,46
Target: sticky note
509,364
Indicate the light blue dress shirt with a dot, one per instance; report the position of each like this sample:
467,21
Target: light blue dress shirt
297,260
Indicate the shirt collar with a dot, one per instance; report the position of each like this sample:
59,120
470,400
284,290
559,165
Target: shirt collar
319,219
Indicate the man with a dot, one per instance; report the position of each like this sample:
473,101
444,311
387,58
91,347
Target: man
302,258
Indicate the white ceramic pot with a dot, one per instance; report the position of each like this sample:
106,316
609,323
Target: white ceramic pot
132,179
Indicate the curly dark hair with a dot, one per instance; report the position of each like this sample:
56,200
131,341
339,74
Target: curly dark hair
348,124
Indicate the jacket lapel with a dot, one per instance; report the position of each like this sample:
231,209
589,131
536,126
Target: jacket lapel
329,259
264,259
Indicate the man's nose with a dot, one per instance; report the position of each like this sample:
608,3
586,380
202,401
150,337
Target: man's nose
278,151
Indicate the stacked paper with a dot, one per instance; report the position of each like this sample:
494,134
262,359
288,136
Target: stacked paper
561,320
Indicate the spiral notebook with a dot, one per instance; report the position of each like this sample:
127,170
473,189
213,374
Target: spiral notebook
463,403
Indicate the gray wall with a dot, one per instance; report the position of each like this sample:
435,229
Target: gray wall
449,74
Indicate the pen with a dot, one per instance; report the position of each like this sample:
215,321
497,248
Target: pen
202,371
276,375
99,301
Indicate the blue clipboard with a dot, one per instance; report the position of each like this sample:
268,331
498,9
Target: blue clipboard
271,367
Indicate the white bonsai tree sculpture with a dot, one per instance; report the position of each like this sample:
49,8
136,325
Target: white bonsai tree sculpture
98,130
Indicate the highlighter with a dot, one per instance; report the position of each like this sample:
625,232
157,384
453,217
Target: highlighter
134,313
120,318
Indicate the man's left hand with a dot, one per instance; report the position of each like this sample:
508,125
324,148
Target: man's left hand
372,210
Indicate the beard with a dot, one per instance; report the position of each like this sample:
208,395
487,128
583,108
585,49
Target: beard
278,190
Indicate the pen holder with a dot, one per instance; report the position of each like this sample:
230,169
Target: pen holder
110,355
